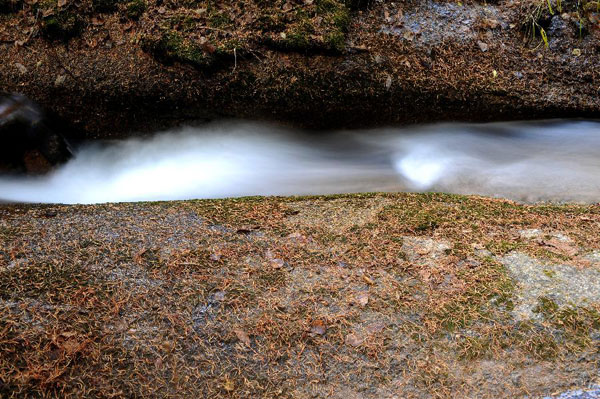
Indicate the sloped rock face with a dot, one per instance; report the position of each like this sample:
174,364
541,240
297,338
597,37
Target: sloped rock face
28,139
114,67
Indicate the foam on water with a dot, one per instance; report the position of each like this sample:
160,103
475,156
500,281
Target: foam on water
549,161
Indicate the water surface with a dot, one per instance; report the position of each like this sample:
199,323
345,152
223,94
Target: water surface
544,161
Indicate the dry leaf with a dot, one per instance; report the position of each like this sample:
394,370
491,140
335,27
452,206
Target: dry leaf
560,247
71,346
318,327
242,336
353,340
228,385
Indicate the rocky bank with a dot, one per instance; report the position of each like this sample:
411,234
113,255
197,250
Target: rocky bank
115,67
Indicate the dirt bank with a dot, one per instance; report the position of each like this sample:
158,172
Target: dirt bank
368,296
113,67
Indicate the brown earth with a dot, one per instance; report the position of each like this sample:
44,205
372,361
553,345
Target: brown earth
362,296
113,67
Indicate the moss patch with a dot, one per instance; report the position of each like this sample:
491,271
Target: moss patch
136,8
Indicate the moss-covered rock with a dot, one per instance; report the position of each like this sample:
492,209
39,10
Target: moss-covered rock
321,27
136,8
171,46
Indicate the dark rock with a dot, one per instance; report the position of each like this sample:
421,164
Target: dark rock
25,133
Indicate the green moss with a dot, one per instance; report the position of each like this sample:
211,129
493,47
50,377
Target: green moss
296,40
320,27
576,322
502,247
173,46
550,273
136,8
219,20
494,287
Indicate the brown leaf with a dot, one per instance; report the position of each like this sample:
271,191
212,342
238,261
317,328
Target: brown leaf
561,247
354,340
242,336
61,3
228,385
318,327
71,346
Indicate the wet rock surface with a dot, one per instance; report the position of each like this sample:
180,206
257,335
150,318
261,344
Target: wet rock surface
363,296
562,283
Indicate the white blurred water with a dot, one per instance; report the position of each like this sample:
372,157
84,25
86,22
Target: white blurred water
545,161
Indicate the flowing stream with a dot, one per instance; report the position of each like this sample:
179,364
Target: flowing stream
525,161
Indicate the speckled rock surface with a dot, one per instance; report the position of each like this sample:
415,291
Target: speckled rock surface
563,283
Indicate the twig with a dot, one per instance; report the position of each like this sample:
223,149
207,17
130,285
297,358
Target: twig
234,58
215,29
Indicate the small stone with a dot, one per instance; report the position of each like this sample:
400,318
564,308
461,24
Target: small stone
362,299
483,46
410,36
576,52
388,82
277,263
219,296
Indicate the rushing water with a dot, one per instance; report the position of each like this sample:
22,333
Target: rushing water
549,161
